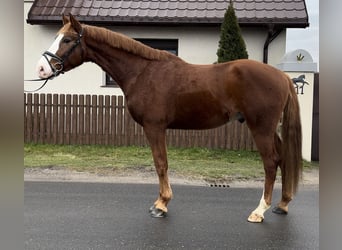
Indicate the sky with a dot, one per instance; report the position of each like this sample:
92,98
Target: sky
308,38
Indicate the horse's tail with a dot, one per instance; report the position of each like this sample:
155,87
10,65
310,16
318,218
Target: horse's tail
291,134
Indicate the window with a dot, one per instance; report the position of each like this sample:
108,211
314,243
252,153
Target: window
170,45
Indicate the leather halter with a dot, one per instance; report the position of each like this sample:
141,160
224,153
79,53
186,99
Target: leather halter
59,66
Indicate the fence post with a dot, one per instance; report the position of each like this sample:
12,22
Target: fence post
106,120
35,118
48,118
87,130
100,121
55,118
114,122
68,119
42,118
81,121
93,119
120,111
61,119
74,124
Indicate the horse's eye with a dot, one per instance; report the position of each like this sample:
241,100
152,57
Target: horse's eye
66,40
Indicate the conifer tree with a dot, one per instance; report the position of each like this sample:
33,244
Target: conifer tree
231,44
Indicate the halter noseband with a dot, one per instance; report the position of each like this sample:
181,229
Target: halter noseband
59,66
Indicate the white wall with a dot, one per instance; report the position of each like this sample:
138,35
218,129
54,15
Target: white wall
196,45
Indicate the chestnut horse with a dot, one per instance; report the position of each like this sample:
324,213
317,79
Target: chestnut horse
164,92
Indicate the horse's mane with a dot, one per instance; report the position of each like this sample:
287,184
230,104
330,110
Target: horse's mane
126,43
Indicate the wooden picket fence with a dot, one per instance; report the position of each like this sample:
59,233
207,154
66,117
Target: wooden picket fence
105,120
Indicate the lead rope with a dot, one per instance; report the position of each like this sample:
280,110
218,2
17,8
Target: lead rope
36,80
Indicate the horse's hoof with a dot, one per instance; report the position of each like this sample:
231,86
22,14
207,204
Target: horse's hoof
156,212
278,210
255,218
152,208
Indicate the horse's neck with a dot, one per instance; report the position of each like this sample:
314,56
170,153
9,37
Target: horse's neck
121,65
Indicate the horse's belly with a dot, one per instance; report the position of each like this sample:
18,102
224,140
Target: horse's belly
199,110
196,123
199,118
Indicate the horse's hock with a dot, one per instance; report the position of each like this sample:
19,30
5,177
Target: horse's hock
299,65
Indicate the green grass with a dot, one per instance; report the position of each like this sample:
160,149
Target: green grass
210,164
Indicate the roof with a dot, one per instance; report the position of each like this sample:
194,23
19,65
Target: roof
288,13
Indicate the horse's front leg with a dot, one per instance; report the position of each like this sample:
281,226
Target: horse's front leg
157,140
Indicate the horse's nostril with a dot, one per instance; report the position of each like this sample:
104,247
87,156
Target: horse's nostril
41,69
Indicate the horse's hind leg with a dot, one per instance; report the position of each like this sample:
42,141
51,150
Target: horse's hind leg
157,140
282,207
270,158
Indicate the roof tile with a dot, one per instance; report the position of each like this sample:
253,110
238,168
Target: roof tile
96,4
151,5
135,5
86,3
93,12
114,12
249,12
144,12
103,12
182,5
126,4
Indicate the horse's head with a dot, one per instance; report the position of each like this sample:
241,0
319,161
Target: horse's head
66,51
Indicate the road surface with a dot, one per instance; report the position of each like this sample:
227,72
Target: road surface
69,215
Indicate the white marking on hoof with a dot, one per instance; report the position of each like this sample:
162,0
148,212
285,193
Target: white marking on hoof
255,218
258,214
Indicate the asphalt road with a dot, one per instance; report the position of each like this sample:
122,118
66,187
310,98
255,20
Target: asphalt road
62,215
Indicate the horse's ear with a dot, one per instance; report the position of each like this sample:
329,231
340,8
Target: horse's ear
75,24
65,19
